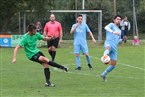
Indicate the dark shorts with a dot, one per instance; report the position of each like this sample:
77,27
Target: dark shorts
36,57
124,33
53,42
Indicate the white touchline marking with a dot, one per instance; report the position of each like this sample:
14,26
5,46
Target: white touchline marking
120,63
132,66
124,64
112,76
86,74
126,77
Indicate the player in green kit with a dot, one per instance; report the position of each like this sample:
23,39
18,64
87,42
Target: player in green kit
29,42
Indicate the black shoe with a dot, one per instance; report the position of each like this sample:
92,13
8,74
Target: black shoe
65,69
49,84
78,68
90,66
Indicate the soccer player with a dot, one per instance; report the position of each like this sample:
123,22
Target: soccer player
113,37
29,41
80,44
53,29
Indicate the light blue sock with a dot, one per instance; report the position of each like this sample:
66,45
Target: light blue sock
106,52
109,69
78,61
88,59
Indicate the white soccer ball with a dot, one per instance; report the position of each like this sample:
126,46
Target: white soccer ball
105,59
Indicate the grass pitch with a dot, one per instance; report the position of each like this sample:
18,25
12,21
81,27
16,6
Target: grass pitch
26,78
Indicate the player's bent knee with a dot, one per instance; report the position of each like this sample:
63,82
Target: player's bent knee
49,49
113,62
77,54
53,48
43,59
87,54
108,47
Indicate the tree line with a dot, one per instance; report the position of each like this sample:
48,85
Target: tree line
10,8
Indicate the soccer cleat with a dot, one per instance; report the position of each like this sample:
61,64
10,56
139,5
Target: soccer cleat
65,69
90,66
104,78
49,84
78,68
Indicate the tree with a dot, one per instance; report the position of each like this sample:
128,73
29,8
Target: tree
9,8
141,16
9,11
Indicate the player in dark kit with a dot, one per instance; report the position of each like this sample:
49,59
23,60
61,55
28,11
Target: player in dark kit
29,42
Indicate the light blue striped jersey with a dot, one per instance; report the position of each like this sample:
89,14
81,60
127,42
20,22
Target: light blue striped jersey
80,33
113,39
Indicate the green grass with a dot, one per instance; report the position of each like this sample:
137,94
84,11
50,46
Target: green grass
26,79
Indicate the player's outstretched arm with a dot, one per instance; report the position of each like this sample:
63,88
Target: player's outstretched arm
108,29
15,53
93,39
111,31
48,38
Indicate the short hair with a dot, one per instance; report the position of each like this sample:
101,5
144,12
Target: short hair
117,16
52,14
79,15
31,27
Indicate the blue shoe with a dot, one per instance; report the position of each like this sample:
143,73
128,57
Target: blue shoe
78,68
104,78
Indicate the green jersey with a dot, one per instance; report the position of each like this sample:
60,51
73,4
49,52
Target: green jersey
30,44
